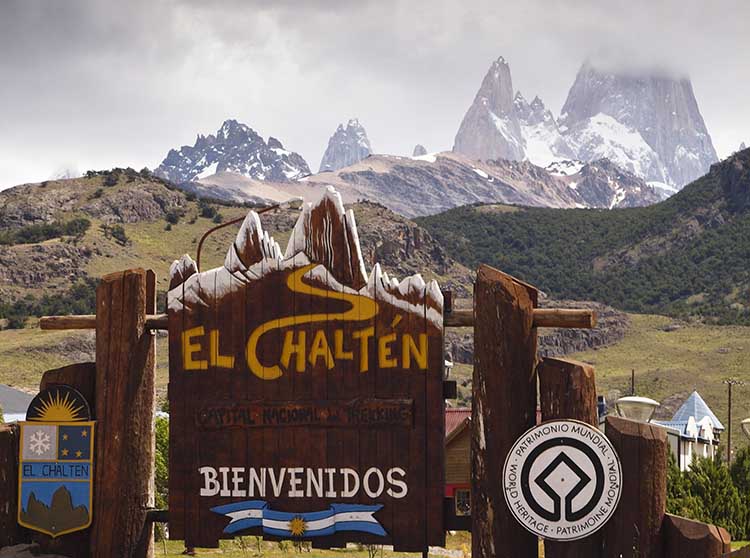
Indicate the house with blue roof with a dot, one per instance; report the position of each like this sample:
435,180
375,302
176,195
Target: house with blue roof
693,432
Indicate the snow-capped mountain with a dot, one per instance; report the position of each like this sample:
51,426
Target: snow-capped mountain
434,182
346,146
235,148
652,120
542,141
647,125
491,128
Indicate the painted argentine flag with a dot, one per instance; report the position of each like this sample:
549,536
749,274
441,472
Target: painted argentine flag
337,518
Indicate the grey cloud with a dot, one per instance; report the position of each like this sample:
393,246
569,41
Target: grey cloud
97,84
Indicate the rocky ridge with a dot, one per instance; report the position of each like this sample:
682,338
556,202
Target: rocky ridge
234,148
347,146
419,150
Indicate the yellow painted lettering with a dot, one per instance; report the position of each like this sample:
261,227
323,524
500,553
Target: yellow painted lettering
364,336
385,359
409,349
320,348
298,349
189,349
338,346
215,358
361,308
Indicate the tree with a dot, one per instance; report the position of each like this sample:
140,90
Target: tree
161,468
709,481
679,499
740,473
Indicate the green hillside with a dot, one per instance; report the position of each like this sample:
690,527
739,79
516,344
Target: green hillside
58,237
689,255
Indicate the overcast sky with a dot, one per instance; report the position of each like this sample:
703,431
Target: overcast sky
93,85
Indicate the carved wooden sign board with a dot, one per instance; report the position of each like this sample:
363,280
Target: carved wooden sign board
305,397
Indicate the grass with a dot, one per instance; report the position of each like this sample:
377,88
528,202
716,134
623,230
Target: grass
246,547
25,354
674,363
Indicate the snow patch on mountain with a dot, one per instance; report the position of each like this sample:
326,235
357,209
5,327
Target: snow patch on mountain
603,137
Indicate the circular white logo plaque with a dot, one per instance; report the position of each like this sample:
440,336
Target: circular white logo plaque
562,480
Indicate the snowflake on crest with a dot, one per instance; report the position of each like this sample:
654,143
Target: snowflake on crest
39,442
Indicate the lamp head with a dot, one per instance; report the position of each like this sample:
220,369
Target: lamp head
636,408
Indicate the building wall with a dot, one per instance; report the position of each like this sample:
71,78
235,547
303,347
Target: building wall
458,459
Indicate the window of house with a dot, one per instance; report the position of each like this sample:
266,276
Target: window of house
462,498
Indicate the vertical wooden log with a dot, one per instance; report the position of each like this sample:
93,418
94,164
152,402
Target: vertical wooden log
685,537
10,532
567,390
125,417
503,408
635,528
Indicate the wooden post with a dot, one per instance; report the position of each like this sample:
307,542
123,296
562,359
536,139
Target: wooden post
567,390
11,532
503,408
125,417
635,528
686,538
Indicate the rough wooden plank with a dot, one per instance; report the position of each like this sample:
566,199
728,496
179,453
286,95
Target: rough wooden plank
635,528
124,410
567,390
504,407
10,532
685,537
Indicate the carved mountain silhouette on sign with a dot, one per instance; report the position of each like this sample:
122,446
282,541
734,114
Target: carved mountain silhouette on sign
61,516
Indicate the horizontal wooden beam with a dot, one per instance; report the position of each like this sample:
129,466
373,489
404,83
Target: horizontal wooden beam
543,317
88,321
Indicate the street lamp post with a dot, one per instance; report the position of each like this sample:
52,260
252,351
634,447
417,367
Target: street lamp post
293,203
730,382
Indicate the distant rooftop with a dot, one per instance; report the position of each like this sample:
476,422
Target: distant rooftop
454,417
694,406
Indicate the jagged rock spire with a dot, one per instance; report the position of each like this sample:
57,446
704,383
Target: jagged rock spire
347,146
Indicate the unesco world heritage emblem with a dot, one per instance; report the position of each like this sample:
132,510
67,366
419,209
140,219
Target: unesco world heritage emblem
562,480
55,472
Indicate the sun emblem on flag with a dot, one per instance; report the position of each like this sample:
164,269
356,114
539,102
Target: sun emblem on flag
297,526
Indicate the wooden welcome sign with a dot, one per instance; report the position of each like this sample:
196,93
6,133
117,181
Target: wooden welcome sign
305,398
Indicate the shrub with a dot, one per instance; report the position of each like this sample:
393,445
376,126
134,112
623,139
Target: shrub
206,210
118,233
79,299
111,179
31,234
218,218
173,216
